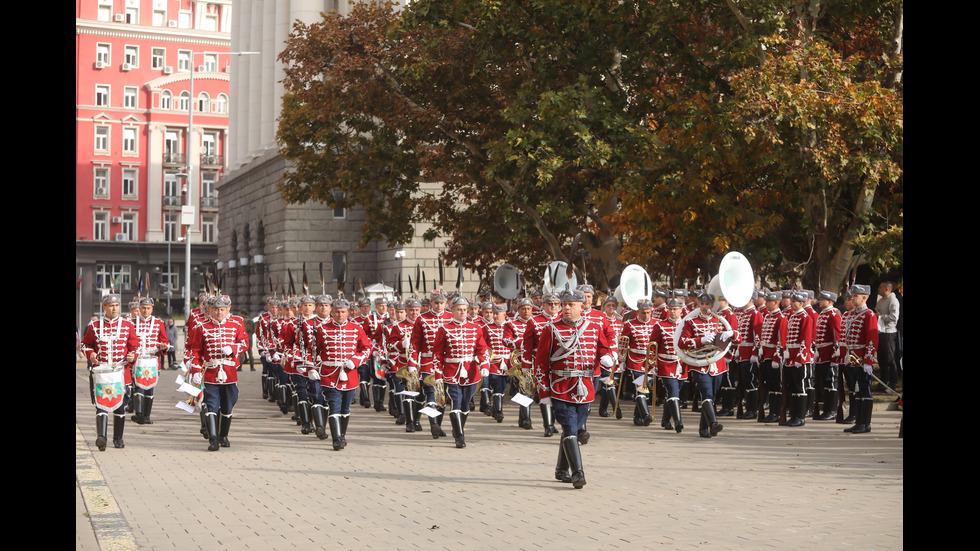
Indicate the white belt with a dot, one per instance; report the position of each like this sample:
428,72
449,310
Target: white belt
637,351
454,361
211,364
332,364
574,372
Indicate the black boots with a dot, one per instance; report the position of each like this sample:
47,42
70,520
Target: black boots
641,412
101,429
775,402
672,408
548,419
118,425
863,416
407,414
751,405
797,409
319,421
524,418
336,433
829,406
709,421
573,455
456,417
211,422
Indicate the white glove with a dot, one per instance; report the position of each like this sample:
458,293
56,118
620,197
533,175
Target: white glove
606,361
196,379
869,369
413,370
707,339
226,350
484,372
276,358
300,369
313,375
727,335
152,350
349,364
546,401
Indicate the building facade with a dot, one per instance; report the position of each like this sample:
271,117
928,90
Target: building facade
262,240
152,102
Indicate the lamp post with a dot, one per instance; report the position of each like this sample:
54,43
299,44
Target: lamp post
188,213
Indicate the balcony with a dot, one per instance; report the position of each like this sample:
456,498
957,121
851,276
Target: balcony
209,202
173,158
172,200
212,161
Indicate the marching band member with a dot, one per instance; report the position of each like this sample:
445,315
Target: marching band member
372,327
265,344
826,342
727,391
567,355
396,338
771,347
152,335
213,346
798,354
671,373
318,412
638,331
340,346
697,332
859,348
746,356
495,334
459,355
297,341
110,344
514,331
423,339
551,310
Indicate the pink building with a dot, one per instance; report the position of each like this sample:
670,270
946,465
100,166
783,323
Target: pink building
136,62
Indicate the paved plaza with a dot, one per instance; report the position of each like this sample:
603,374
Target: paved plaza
754,486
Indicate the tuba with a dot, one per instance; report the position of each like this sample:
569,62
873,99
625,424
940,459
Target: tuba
634,284
507,281
438,386
734,282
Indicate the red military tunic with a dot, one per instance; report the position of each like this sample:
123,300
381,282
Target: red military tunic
335,344
773,340
667,365
693,331
459,352
860,336
264,335
827,335
205,349
799,338
494,334
152,334
567,358
394,337
424,338
111,340
639,339
750,321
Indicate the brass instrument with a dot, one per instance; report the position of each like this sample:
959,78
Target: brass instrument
440,389
624,349
650,359
411,379
525,380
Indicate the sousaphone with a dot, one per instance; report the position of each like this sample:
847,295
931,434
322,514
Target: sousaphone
735,283
507,281
556,280
634,284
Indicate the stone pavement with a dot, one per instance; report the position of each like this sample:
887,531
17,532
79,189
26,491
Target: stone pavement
754,486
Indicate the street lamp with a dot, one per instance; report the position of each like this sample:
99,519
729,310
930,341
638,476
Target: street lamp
188,214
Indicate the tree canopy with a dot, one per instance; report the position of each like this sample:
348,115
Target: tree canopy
665,133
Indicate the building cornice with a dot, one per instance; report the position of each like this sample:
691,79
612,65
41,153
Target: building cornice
141,32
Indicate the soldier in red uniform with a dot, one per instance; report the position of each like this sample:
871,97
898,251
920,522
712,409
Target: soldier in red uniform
825,343
749,325
638,331
770,353
110,344
153,345
859,348
340,346
266,344
670,372
459,355
698,331
798,356
420,362
568,354
727,393
495,334
551,311
213,346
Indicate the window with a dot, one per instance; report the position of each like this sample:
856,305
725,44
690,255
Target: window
129,140
105,10
339,212
211,62
171,147
170,281
102,139
100,225
171,190
208,227
203,102
221,104
133,15
339,260
183,60
102,95
184,20
170,222
159,17
101,183
119,275
158,57
129,225
129,97
185,101
132,56
210,20
209,197
129,177
166,100
103,54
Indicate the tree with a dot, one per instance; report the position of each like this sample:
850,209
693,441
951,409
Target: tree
666,133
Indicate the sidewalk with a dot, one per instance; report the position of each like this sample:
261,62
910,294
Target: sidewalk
754,486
